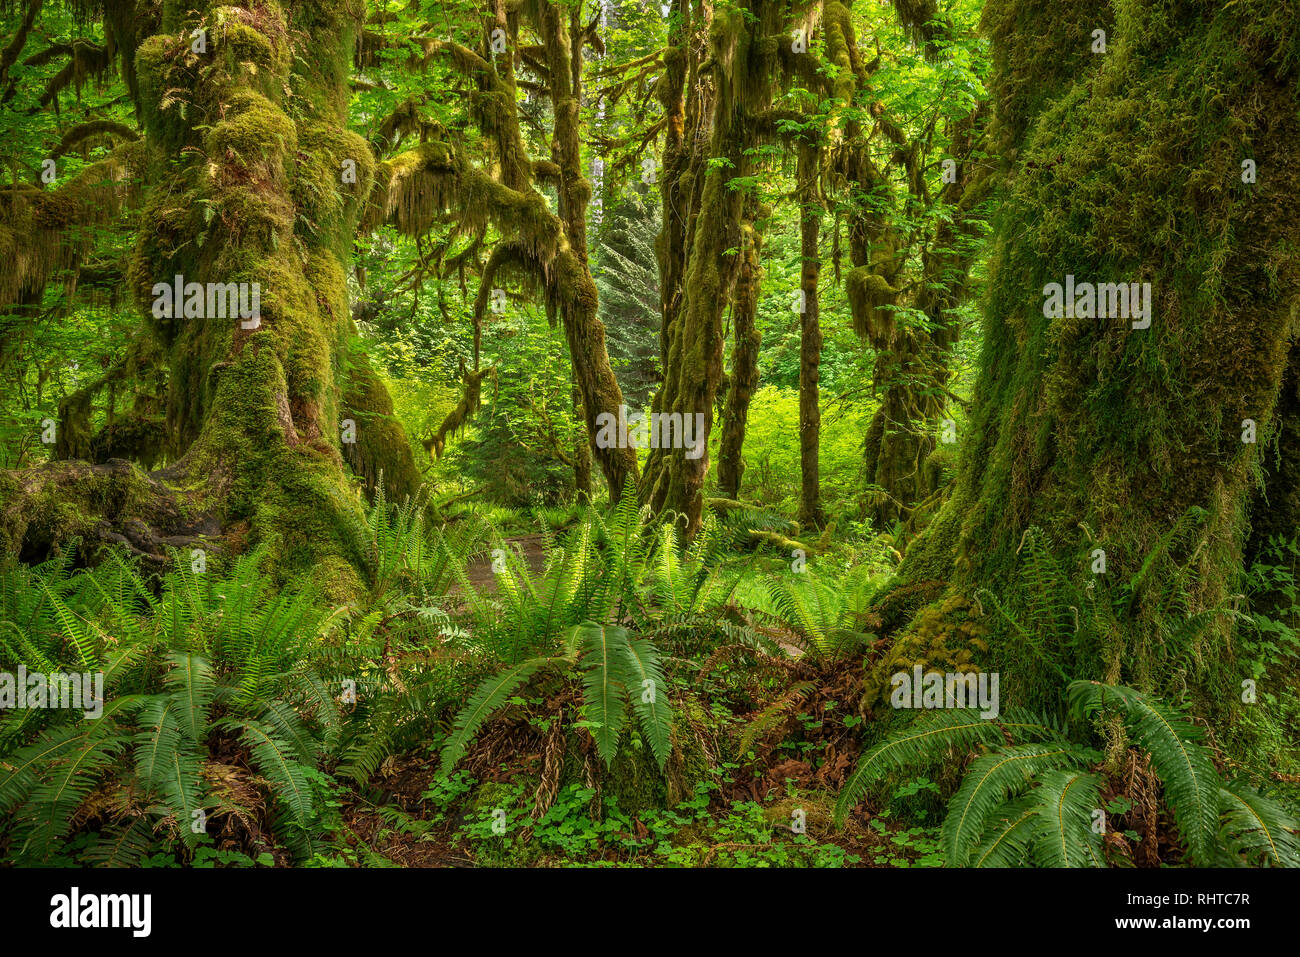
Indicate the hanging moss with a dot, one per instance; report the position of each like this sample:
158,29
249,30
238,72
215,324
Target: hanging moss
421,186
471,396
45,231
868,293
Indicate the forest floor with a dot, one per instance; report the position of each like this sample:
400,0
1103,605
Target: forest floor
402,827
774,809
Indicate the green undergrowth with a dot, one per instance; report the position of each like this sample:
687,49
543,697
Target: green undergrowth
608,696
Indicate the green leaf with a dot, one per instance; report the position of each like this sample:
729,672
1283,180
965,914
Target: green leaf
648,690
990,781
603,692
1178,758
487,698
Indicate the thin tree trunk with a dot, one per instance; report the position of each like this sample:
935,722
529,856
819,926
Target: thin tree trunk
576,289
810,341
744,363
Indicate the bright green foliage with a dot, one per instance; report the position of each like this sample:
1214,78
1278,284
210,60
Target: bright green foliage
827,617
562,620
1256,829
928,739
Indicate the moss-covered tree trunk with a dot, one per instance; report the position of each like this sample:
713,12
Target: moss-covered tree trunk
263,195
698,249
696,214
583,328
743,381
912,368
581,455
1108,481
253,189
810,339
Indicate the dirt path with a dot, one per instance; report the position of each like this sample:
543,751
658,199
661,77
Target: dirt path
480,571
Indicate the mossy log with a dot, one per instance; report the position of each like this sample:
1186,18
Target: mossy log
61,505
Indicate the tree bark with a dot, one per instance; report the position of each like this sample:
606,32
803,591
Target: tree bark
245,185
581,456
1088,434
743,381
697,249
548,249
810,340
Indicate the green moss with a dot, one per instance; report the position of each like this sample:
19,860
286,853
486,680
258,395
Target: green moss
244,47
160,109
1126,166
944,636
43,511
322,67
246,146
256,137
329,208
382,446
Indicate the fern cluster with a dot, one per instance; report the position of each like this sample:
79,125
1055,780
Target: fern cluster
1062,617
565,622
1033,794
211,666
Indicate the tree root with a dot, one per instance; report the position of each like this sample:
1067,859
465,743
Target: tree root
68,504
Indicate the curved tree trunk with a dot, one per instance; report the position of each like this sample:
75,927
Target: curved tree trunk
545,248
578,297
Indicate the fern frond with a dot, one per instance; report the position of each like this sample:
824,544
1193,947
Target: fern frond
774,713
289,726
925,740
648,690
123,846
64,784
1182,763
1066,801
1008,837
1256,829
84,635
602,691
193,686
486,699
275,759
989,782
